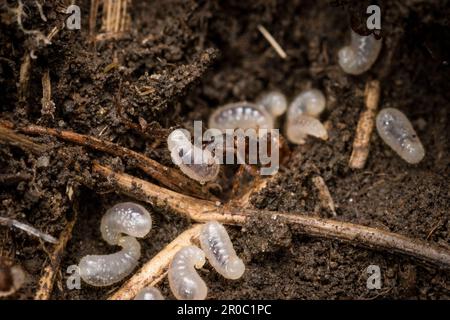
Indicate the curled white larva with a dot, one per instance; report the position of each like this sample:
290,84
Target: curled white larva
219,251
123,218
149,293
197,163
310,102
105,270
243,115
397,132
184,280
301,126
301,117
127,217
360,55
274,102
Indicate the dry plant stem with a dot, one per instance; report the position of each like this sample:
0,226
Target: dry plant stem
47,280
53,32
48,106
7,124
154,270
28,229
169,177
202,211
24,76
196,209
93,17
41,11
8,136
115,18
272,41
324,194
365,126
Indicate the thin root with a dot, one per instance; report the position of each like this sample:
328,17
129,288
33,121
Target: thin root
116,20
272,41
47,280
324,194
365,126
28,229
203,211
168,177
24,77
10,137
48,106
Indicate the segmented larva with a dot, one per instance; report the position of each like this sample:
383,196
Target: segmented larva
184,280
274,102
310,102
105,270
149,293
198,164
360,55
127,217
397,132
301,117
243,115
219,250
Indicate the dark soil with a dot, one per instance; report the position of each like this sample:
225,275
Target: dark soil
197,56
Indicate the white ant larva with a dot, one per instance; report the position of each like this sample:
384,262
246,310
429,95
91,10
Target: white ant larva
303,125
127,217
397,132
184,280
149,293
274,102
219,250
197,164
310,102
105,270
360,55
241,115
301,118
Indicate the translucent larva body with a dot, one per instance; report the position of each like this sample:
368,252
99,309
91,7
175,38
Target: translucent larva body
243,115
360,55
196,163
302,126
184,280
397,132
129,218
301,116
310,102
105,270
219,250
274,102
149,293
